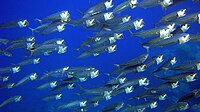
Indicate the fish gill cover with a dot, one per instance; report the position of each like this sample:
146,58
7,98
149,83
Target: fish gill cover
99,56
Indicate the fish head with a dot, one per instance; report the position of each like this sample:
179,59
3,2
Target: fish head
36,61
64,16
107,93
159,59
112,48
33,76
94,74
90,22
173,61
185,27
122,80
97,39
138,24
171,27
126,19
11,85
166,3
183,39
153,104
58,96
198,18
62,49
65,69
71,86
16,69
18,98
53,84
111,40
198,66
184,107
118,36
108,16
129,89
108,4
83,103
4,79
163,97
60,42
115,86
61,27
30,39
168,36
143,82
83,79
96,54
30,45
133,3
96,103
108,97
47,53
141,68
181,13
164,32
175,84
23,23
191,77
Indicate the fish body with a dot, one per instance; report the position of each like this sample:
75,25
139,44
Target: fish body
181,106
10,100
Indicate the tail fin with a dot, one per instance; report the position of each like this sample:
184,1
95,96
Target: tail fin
39,20
81,13
131,33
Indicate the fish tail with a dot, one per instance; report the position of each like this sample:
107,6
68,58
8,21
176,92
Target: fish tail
39,20
131,33
120,75
80,12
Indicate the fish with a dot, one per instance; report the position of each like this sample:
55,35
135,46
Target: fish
51,29
125,5
31,77
16,98
141,107
96,51
14,69
162,31
48,48
57,96
167,85
193,94
178,38
63,16
149,95
52,84
192,64
138,60
113,107
16,23
75,103
135,82
58,41
190,18
187,76
152,3
29,61
64,85
173,15
23,45
25,39
181,106
104,16
4,78
98,8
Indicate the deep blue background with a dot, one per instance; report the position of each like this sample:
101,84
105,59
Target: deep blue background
128,48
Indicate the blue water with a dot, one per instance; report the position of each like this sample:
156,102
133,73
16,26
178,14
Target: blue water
128,48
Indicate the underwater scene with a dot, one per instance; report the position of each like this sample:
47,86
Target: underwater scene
100,56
